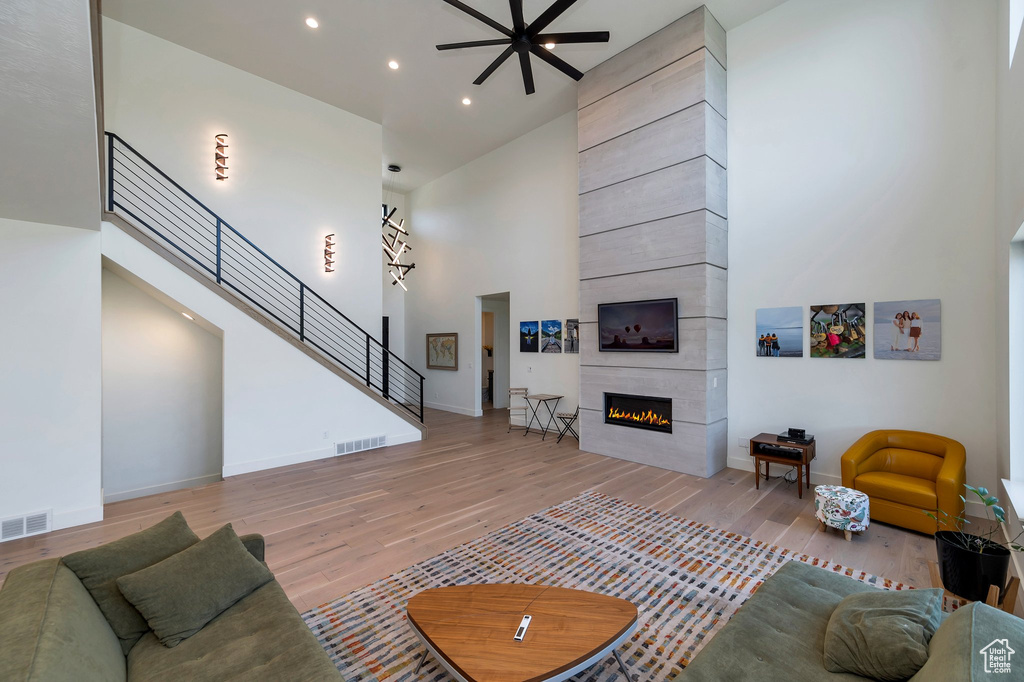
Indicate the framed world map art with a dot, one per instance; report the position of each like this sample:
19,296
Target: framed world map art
443,351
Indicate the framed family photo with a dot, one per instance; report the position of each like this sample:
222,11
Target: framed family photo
908,330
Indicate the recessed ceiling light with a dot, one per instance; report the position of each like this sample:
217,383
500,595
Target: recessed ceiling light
467,101
393,65
189,316
549,46
312,23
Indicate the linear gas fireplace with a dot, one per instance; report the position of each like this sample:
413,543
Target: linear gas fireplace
638,411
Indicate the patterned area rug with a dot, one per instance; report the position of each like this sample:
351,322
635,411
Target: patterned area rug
686,578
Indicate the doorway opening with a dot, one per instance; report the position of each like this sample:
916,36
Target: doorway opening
494,328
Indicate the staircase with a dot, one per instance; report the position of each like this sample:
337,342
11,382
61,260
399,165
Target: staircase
184,230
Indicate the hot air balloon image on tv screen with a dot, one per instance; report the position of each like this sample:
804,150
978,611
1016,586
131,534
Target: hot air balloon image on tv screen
639,326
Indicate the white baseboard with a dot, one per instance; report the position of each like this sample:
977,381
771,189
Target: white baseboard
162,488
469,412
254,465
403,438
747,464
77,517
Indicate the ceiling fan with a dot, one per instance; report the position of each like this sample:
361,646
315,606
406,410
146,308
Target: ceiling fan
525,38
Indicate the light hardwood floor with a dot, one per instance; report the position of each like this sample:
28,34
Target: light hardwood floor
335,525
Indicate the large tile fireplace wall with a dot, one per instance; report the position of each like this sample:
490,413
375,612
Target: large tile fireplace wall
652,141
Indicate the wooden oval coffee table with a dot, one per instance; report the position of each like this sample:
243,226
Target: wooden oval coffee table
471,630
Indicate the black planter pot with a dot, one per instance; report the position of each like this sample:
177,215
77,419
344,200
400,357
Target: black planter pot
968,573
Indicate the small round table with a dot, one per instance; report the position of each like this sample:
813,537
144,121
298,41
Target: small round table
841,508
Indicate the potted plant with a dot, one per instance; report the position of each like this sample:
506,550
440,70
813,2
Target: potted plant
969,563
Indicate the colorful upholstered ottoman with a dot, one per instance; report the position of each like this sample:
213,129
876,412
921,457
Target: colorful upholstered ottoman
841,508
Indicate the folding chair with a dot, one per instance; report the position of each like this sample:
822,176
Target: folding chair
514,393
568,419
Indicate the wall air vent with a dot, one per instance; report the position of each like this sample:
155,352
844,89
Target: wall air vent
360,444
24,526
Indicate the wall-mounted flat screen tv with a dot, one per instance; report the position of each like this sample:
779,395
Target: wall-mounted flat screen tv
639,326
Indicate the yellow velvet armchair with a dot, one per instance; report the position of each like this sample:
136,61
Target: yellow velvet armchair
906,473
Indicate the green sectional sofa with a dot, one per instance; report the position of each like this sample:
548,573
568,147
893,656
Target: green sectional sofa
52,630
779,634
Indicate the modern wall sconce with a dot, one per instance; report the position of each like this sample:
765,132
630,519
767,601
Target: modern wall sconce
329,253
220,156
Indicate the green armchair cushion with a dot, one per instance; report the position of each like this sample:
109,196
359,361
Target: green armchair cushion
882,635
100,567
184,592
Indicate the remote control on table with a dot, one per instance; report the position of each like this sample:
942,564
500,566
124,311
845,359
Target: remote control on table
521,632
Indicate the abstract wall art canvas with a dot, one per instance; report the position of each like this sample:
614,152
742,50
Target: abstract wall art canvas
551,336
529,337
571,343
908,330
443,351
780,332
839,330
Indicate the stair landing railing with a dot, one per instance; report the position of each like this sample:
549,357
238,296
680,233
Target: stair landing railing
150,199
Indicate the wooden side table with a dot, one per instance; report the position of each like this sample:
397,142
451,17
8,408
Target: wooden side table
800,460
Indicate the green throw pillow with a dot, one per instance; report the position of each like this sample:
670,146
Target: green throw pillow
100,567
882,635
179,595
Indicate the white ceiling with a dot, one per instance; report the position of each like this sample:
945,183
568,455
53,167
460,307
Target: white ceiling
427,130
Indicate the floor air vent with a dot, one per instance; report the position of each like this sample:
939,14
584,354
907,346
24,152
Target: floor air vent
360,444
23,526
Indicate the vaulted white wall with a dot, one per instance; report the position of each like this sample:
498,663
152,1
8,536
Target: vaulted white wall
50,372
504,222
49,157
862,163
299,169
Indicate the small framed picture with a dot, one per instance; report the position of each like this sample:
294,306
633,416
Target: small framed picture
443,351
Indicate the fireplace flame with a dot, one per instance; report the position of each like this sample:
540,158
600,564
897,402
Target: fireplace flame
649,417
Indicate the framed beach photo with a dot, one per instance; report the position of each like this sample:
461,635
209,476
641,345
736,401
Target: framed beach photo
443,351
908,330
780,332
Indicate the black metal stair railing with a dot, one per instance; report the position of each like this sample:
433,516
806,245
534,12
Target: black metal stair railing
150,199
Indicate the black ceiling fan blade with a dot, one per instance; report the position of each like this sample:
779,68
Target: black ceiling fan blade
559,64
480,17
578,37
549,15
494,65
474,43
518,23
524,63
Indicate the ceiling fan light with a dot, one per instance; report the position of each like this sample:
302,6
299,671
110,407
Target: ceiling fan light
549,46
